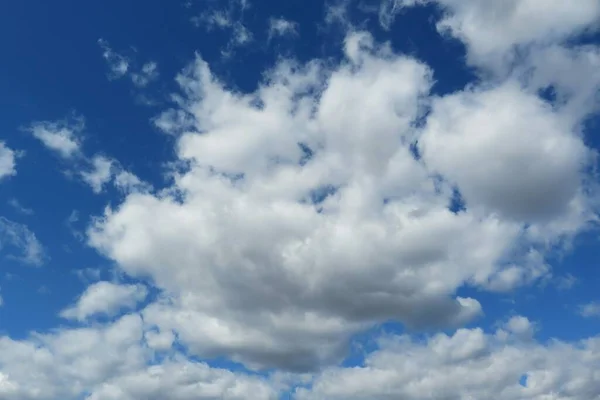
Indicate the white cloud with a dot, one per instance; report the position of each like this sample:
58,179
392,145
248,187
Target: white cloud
174,121
7,161
182,380
112,362
147,74
590,310
104,170
318,207
229,18
470,364
62,137
100,174
530,159
117,63
18,237
127,182
105,298
282,27
121,66
492,30
318,220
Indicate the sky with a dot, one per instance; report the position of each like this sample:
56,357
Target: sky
310,200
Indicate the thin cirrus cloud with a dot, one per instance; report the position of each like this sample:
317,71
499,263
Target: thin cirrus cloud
19,243
20,208
121,66
335,197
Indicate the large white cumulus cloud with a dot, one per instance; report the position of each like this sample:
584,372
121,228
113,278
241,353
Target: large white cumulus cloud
319,205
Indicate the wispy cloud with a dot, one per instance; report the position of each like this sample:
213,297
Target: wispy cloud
230,18
22,244
121,66
590,310
282,27
14,203
147,74
117,63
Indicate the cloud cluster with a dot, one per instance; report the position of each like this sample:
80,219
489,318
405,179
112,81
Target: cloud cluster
334,198
112,362
229,18
65,137
469,364
322,204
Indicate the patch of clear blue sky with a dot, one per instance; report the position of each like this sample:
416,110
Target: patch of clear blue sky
52,65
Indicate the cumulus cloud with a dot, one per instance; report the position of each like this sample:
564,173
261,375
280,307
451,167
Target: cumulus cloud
494,30
62,137
105,298
7,161
17,237
530,160
333,198
469,364
112,362
324,201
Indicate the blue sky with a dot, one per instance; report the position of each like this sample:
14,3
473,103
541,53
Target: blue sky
243,199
